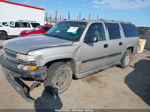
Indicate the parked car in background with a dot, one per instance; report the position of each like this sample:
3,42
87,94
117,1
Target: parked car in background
15,27
38,30
70,49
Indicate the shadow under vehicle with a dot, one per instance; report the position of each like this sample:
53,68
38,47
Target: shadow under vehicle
139,80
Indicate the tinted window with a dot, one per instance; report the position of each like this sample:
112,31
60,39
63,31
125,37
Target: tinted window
129,30
97,30
113,30
35,24
25,25
46,28
17,24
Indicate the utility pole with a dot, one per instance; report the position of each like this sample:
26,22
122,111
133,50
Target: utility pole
89,16
60,17
50,18
79,16
56,16
46,18
68,15
97,17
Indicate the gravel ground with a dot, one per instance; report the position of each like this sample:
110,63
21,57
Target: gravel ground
114,88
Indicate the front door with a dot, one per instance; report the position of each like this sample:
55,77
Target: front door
94,54
15,29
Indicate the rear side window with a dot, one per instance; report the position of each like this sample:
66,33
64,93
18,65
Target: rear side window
17,24
25,25
113,30
129,30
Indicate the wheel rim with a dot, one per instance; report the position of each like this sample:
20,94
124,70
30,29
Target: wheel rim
127,59
62,79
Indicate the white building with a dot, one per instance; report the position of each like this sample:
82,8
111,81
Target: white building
10,11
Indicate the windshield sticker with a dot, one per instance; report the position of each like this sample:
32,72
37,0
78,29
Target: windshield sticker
72,29
74,33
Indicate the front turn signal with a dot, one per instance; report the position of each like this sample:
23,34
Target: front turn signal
32,68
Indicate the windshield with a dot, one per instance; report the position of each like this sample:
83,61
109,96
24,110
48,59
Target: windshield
37,28
67,30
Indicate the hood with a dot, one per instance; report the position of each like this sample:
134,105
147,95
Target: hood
25,45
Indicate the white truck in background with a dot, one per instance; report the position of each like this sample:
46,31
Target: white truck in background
14,28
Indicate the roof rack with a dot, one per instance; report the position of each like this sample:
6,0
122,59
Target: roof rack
26,21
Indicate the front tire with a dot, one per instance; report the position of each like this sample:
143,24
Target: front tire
126,59
58,78
3,35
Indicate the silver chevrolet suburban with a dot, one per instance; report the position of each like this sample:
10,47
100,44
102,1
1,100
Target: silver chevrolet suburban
70,49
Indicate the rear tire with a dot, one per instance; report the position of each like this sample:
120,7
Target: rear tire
126,59
58,78
3,35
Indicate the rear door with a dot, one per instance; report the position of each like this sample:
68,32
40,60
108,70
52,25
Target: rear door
94,54
115,42
26,26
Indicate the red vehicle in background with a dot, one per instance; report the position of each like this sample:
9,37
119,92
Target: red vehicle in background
38,30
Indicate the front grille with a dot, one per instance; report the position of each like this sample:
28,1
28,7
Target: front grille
12,62
10,53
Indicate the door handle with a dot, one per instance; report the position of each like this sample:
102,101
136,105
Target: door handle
120,43
105,45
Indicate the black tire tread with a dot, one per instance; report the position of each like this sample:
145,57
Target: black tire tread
51,72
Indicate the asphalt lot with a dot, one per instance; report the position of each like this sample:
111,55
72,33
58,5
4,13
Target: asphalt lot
114,88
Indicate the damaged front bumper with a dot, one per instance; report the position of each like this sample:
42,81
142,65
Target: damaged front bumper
15,75
20,87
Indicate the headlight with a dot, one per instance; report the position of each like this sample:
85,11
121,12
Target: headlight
25,57
29,68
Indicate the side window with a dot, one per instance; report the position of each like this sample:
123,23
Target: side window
46,28
129,30
17,24
97,30
25,25
113,30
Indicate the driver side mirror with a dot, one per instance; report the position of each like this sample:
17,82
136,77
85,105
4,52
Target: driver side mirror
91,39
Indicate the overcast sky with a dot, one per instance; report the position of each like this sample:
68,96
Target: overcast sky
135,11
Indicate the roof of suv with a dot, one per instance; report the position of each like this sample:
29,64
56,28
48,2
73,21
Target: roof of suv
101,20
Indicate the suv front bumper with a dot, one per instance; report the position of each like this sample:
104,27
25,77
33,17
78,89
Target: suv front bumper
39,74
